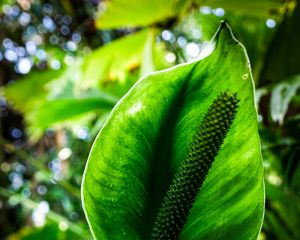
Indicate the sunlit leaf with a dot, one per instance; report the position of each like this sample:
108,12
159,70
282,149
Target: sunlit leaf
132,13
26,92
114,60
148,135
153,56
147,63
50,113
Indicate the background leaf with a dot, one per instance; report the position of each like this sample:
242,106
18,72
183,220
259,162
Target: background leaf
131,13
251,31
281,96
111,62
50,113
21,93
147,135
288,32
259,8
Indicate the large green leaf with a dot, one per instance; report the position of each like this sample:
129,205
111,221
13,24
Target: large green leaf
148,134
132,13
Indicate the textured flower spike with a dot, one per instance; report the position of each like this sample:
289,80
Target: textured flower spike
193,170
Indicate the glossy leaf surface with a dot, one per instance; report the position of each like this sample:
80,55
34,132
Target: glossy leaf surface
148,134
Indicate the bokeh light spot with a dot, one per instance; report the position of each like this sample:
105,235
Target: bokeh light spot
192,49
271,23
24,66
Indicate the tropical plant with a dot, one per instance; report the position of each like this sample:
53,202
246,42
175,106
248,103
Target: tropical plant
71,69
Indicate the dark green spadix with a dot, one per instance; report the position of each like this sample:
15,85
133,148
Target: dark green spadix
192,172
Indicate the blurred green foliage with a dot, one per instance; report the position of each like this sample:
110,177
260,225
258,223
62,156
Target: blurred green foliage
64,65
